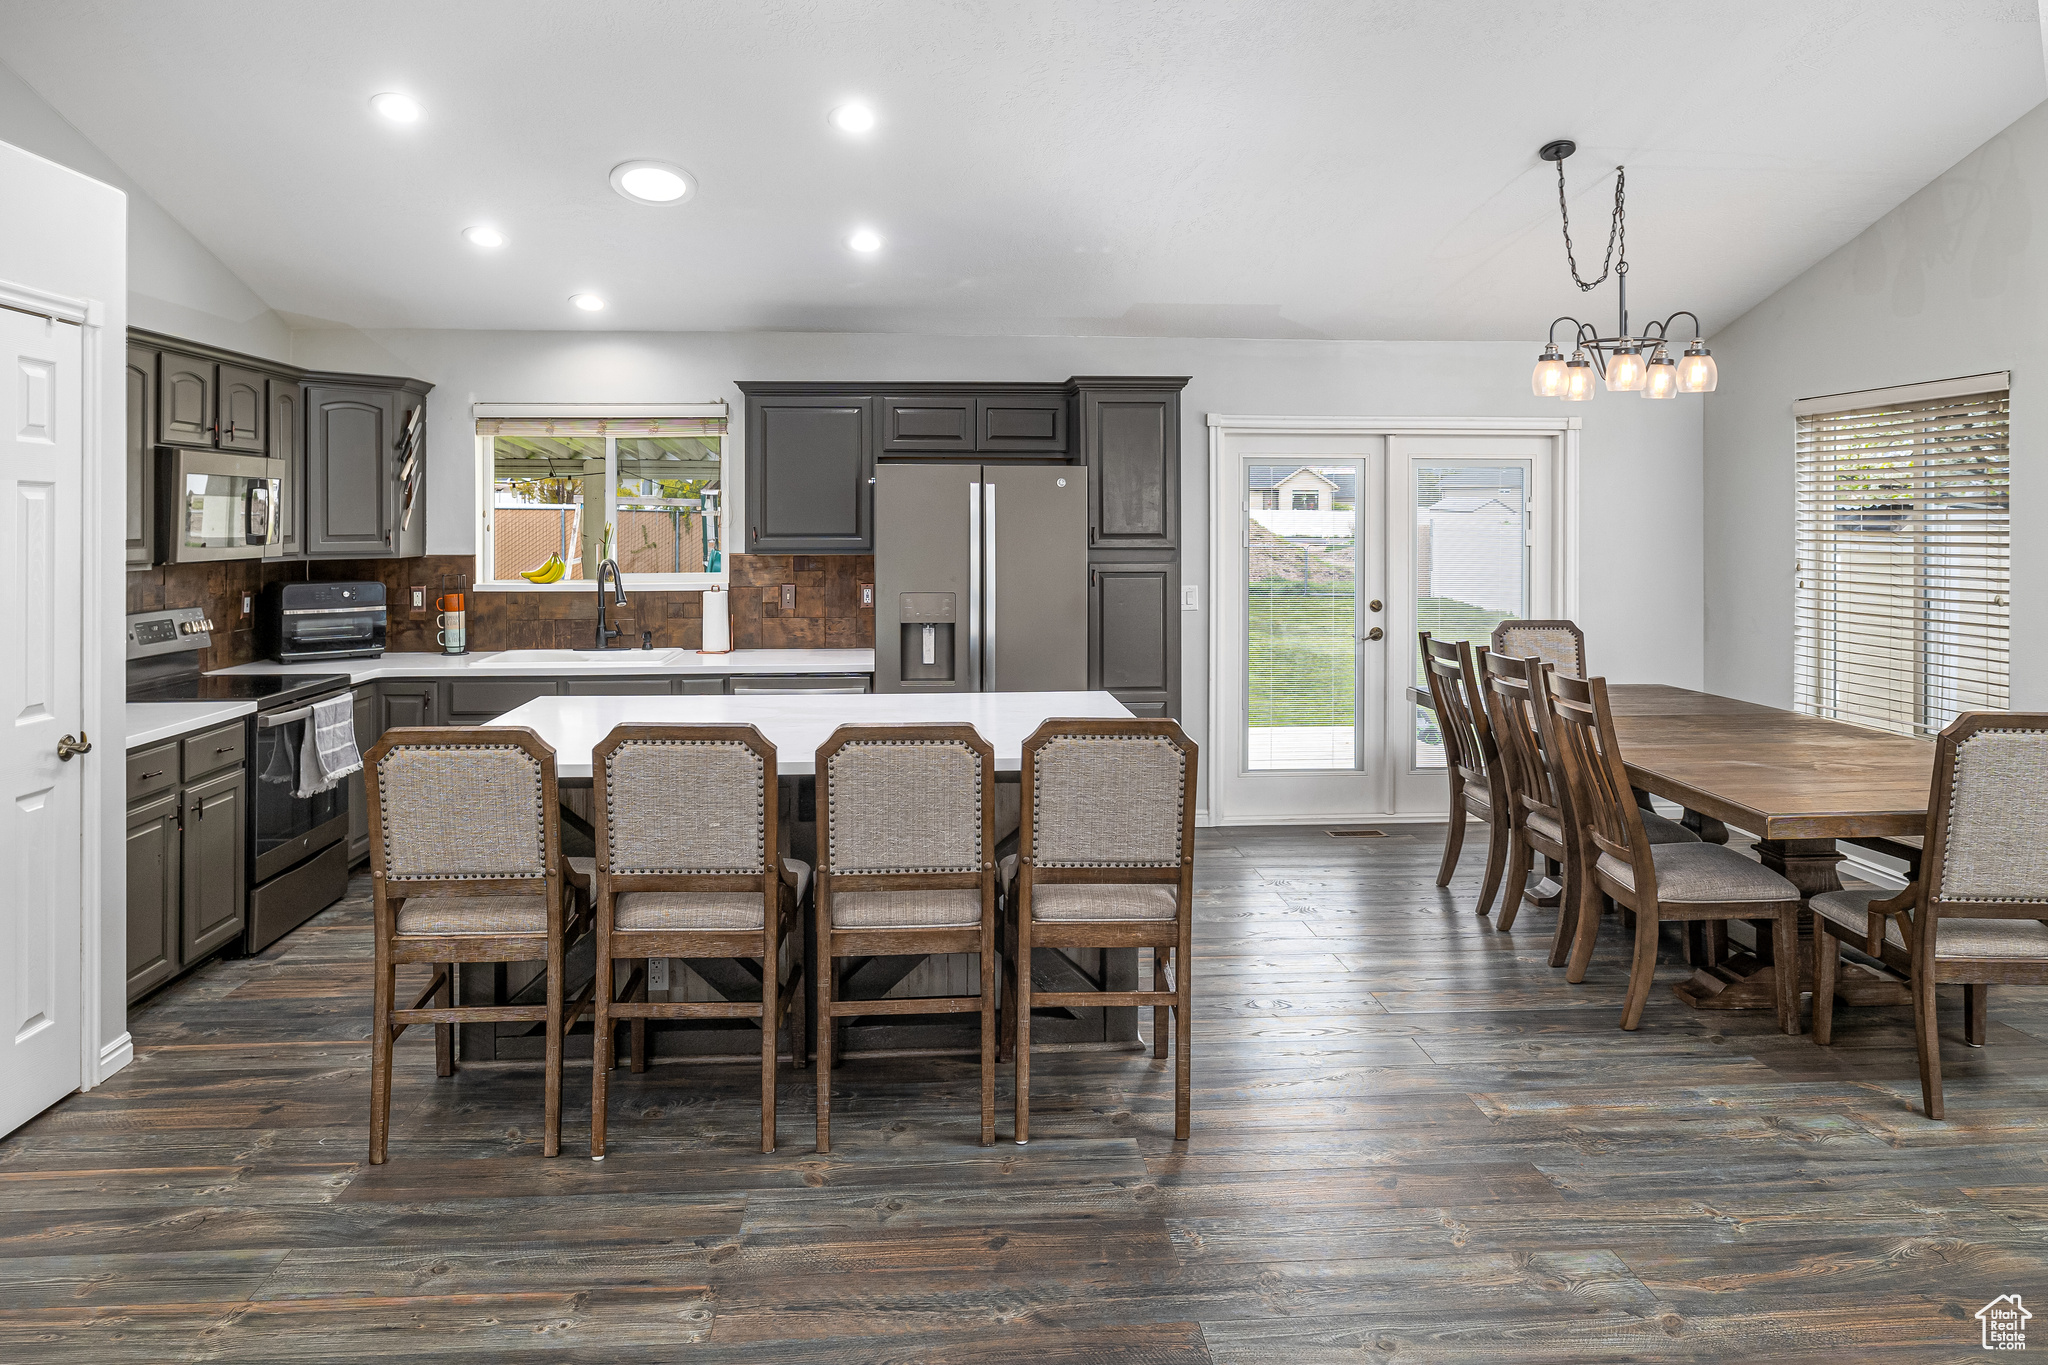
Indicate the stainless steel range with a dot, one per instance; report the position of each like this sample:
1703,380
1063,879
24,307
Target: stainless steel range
298,845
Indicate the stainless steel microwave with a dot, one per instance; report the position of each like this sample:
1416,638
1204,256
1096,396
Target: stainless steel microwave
213,505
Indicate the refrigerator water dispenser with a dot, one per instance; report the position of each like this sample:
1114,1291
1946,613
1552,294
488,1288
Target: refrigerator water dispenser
926,620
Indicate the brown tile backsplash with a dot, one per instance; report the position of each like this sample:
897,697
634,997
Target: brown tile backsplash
828,613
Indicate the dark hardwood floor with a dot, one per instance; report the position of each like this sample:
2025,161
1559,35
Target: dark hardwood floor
1412,1140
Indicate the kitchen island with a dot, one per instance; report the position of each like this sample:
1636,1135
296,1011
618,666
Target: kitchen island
573,726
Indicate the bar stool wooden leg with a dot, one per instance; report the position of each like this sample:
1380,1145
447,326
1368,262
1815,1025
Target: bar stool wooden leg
989,1028
640,1025
385,993
771,1022
1160,1013
1976,1013
551,1137
603,1047
824,1027
1183,1072
1023,1031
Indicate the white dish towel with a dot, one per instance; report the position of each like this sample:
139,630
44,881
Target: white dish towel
328,752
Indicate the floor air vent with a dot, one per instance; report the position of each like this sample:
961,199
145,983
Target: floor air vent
1357,834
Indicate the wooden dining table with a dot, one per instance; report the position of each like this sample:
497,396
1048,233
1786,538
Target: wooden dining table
1794,782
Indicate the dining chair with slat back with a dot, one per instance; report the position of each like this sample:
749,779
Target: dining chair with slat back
906,867
1973,912
1658,882
466,866
1538,816
688,867
1105,859
1472,760
1561,644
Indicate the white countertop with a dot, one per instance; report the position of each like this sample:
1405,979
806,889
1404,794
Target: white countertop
797,725
689,661
151,721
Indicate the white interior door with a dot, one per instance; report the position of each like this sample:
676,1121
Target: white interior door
1300,603
41,408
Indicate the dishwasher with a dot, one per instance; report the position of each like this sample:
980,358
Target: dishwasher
802,684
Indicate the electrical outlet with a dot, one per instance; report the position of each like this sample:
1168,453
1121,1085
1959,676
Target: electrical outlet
419,599
867,594
657,974
788,597
1191,597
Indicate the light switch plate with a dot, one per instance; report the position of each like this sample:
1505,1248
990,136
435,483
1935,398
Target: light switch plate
248,604
867,594
1191,597
789,597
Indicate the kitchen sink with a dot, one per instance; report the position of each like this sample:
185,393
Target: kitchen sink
579,658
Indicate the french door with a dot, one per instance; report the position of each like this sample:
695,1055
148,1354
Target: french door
1333,549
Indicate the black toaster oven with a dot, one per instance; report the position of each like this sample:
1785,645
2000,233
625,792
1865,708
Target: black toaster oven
321,621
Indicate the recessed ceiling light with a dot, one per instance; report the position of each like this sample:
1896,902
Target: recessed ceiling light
484,236
396,107
865,239
853,118
589,303
652,182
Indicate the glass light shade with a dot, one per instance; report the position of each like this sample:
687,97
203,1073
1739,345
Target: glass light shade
1625,371
1662,378
1697,372
1549,379
1578,385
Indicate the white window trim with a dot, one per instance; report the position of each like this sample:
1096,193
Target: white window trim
485,580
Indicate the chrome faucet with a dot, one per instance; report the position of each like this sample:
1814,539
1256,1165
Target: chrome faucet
607,633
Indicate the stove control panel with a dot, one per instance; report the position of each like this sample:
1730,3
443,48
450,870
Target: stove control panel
173,631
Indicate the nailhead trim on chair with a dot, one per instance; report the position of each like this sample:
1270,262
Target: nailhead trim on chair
760,811
831,789
540,821
1180,786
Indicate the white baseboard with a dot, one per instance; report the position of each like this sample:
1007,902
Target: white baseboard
114,1056
1871,872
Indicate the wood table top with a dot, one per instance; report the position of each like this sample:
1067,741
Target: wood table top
1776,774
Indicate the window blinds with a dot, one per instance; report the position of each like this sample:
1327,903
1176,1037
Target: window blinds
568,428
1902,617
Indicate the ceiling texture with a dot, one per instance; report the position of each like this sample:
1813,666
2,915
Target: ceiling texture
1256,168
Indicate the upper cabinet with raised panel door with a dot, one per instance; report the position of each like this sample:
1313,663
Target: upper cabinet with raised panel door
810,471
941,424
288,448
1130,441
202,402
1021,423
356,498
140,463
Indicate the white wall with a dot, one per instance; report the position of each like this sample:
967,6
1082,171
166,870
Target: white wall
64,233
1640,589
1952,282
176,285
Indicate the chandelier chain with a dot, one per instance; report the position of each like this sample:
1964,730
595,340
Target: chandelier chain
1617,231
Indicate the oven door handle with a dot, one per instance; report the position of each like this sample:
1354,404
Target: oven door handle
277,718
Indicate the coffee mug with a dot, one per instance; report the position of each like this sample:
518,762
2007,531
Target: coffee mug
451,602
453,633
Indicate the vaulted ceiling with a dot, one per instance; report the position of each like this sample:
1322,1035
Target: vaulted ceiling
1357,169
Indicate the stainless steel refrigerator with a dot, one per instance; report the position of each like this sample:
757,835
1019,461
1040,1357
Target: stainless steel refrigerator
981,578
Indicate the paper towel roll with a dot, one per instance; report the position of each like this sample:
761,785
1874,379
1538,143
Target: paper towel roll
717,622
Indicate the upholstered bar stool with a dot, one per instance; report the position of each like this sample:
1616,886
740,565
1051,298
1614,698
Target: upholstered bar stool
906,866
1478,780
466,866
1972,913
1107,860
1674,881
687,868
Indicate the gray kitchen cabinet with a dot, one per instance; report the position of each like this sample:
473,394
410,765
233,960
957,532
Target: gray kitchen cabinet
615,687
940,424
1021,424
810,472
700,687
243,415
1134,634
211,854
406,703
1130,441
475,701
141,462
185,400
368,723
154,879
288,449
349,446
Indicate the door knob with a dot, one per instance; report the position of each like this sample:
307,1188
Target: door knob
68,748
1375,634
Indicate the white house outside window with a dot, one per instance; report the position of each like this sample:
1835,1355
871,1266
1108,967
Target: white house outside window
647,489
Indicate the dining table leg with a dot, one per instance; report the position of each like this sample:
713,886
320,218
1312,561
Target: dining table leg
1747,980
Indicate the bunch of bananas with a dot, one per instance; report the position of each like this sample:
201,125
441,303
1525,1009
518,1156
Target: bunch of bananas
548,572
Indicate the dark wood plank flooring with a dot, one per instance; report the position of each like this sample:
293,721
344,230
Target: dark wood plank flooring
1413,1140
